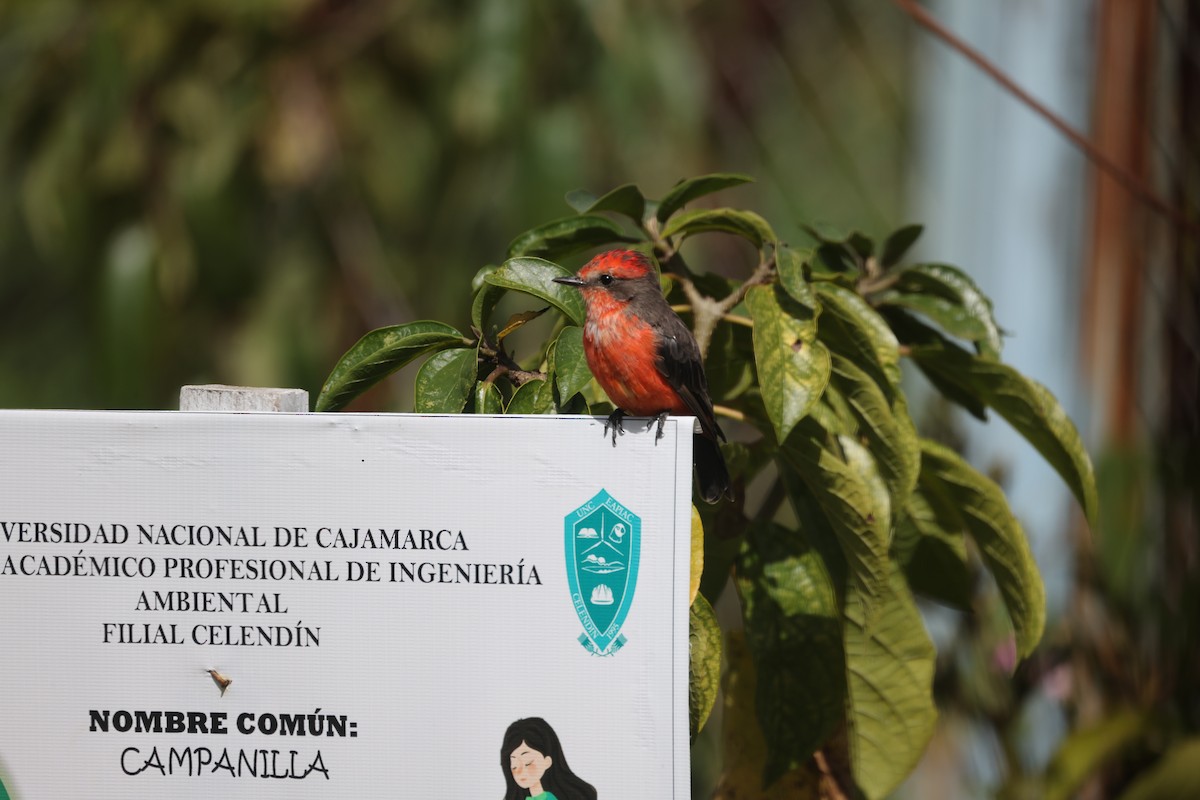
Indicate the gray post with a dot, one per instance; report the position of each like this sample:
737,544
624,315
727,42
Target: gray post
216,397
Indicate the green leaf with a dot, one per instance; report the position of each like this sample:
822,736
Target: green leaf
888,432
747,224
480,278
1027,405
535,276
483,304
581,200
686,191
956,490
948,315
793,367
380,353
833,413
532,397
856,247
488,399
697,558
565,236
837,263
948,297
790,265
627,200
569,364
853,329
743,745
1172,777
1087,750
912,332
898,243
444,381
793,627
704,673
933,558
849,504
889,666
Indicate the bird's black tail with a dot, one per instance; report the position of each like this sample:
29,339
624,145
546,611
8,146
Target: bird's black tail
711,473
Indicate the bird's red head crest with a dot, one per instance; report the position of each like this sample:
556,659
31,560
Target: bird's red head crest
619,264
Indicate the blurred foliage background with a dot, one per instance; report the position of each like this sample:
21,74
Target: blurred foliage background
235,190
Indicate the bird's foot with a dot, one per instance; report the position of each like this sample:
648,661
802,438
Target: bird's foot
615,422
662,419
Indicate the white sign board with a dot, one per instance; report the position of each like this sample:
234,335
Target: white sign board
385,603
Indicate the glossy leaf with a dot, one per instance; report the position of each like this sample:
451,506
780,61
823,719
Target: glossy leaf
483,304
688,190
890,434
565,236
793,367
934,558
480,278
535,276
488,399
848,503
949,298
954,487
898,243
793,627
914,333
889,667
746,224
569,364
627,200
380,353
444,381
790,265
1027,405
860,460
948,315
849,326
532,397
704,673
853,247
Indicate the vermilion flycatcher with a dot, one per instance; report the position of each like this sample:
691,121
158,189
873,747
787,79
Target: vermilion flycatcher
645,358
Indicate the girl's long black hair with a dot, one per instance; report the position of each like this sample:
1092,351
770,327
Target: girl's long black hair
559,780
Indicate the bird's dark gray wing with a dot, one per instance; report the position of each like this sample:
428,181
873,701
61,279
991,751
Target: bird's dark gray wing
679,363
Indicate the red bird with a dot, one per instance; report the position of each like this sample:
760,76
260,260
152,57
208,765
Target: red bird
646,359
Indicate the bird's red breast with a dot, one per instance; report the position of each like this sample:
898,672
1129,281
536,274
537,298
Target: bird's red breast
621,350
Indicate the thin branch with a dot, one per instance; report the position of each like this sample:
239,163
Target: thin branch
731,413
707,312
1124,177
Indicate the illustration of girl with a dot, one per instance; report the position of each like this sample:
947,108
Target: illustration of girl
535,767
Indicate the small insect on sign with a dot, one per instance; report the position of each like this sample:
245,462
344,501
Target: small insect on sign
321,605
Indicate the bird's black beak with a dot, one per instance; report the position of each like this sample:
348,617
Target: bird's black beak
570,281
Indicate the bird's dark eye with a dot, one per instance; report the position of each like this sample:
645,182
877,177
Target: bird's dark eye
606,279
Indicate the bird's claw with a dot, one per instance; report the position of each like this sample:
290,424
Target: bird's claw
662,419
615,422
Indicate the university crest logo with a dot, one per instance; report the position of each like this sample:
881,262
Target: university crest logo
603,541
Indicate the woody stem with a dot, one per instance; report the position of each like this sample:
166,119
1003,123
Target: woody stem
707,312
